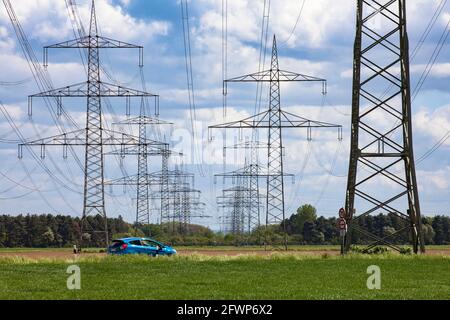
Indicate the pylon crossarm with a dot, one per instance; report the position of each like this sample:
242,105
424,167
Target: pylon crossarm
86,43
250,122
191,215
143,120
246,172
154,148
80,90
78,137
294,121
125,181
265,76
133,181
288,120
237,188
248,145
194,197
227,195
186,190
151,179
173,173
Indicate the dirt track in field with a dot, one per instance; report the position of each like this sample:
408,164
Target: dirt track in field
237,252
37,255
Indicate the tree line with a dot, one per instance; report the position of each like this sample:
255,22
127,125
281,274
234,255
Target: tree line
304,227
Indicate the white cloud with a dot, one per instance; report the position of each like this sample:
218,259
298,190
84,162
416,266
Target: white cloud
434,182
47,20
439,70
125,2
433,123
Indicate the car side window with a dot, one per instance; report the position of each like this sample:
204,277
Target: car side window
145,243
150,243
135,242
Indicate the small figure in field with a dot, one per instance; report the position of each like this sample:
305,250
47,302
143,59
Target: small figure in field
75,250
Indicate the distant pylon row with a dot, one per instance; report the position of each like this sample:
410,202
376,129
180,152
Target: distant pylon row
95,138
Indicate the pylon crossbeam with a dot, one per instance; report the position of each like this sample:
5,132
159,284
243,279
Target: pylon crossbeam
104,89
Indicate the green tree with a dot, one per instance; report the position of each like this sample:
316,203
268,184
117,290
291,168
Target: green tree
306,213
48,236
438,227
428,233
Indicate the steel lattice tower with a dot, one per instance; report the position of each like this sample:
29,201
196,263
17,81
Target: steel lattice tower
251,174
275,184
94,137
236,203
165,189
274,120
142,205
177,195
94,199
384,149
143,152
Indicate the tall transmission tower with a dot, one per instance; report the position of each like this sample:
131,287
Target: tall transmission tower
185,199
274,120
237,203
383,148
252,176
234,202
154,179
141,180
94,137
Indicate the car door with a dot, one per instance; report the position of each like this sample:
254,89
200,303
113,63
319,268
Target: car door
135,246
150,247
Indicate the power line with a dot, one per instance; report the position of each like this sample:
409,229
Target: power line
296,24
190,83
15,83
431,61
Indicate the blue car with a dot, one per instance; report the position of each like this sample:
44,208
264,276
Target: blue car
146,246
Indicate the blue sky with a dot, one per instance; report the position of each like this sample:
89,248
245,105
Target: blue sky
321,46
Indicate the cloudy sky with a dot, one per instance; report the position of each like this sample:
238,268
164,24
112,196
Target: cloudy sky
319,43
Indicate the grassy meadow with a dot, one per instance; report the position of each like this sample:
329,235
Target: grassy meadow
277,276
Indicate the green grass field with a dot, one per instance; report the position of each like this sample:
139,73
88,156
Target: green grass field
244,277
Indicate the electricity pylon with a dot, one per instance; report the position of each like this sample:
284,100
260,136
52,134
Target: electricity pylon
237,204
184,202
275,119
142,152
143,180
166,181
252,177
95,136
234,202
381,141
